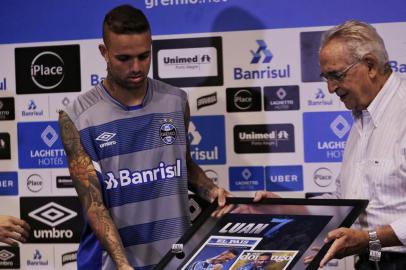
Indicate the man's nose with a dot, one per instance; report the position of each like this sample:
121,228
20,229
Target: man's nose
332,86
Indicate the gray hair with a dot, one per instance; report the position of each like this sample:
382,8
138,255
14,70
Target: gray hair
360,38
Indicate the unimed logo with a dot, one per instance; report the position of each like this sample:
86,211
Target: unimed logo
188,62
272,138
50,69
52,219
325,134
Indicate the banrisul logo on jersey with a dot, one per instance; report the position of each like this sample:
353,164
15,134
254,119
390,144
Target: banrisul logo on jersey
284,178
261,63
188,62
9,257
50,69
52,219
272,138
8,183
246,178
207,139
40,146
325,134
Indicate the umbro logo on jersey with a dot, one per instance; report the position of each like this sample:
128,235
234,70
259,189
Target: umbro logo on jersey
106,138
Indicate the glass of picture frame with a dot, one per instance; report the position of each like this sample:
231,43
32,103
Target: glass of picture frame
274,233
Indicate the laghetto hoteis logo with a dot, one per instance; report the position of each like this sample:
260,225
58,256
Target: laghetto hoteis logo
325,134
281,98
271,138
284,178
246,178
261,59
52,219
40,146
244,99
7,109
9,257
309,56
207,139
8,183
188,62
50,69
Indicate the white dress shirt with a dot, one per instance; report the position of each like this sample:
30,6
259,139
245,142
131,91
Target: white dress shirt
374,162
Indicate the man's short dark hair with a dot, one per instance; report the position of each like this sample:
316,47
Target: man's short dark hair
125,19
268,254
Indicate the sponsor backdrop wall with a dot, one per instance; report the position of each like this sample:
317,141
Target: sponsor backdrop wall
261,117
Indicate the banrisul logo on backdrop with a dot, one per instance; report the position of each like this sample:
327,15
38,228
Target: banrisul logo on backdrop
52,219
51,69
188,62
260,59
320,98
5,148
37,259
325,134
244,99
207,139
3,84
7,109
309,56
246,178
32,109
281,98
9,257
8,183
284,178
40,146
272,138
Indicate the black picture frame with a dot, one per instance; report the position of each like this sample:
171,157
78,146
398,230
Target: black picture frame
288,228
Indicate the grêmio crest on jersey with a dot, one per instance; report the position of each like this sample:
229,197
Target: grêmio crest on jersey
167,131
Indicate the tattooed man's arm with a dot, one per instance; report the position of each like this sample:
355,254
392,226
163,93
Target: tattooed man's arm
89,191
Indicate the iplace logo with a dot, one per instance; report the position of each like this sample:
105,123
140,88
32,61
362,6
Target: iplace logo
52,219
50,69
244,99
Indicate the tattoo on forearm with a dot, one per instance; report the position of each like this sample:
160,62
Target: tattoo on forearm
88,188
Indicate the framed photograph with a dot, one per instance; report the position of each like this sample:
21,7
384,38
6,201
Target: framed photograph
273,234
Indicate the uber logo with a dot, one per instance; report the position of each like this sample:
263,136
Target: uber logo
50,69
9,257
243,99
284,178
8,183
52,219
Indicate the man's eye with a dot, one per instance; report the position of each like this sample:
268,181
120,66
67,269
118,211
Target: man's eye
143,56
123,58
